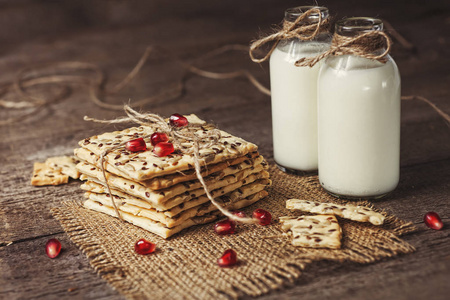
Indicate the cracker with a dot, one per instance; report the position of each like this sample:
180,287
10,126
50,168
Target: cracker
97,187
159,228
168,180
321,231
172,179
146,165
148,224
138,189
124,205
347,211
121,198
65,164
46,175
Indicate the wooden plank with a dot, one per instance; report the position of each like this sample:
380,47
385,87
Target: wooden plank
28,273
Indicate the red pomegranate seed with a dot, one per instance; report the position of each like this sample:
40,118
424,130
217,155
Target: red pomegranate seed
225,227
178,120
228,259
53,248
163,149
144,247
158,137
136,145
433,220
264,217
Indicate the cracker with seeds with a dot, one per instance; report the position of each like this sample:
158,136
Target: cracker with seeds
46,175
169,180
320,231
139,189
97,186
65,164
149,224
144,221
146,165
347,211
119,197
125,205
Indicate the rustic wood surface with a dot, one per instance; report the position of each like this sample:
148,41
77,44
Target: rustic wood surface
114,34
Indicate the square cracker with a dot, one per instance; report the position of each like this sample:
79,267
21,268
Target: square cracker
95,186
139,189
148,224
161,229
321,231
121,198
347,211
169,180
126,206
145,165
45,175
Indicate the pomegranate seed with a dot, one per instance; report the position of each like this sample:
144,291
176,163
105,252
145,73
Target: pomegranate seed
144,247
53,248
433,220
158,137
163,149
136,145
225,227
240,214
228,259
178,120
264,217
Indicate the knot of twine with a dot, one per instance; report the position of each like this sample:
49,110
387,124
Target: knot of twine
290,30
363,45
177,136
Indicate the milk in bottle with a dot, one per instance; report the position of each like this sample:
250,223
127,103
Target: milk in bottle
294,97
358,121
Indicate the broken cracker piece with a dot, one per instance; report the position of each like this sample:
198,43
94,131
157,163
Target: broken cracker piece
65,164
46,175
322,231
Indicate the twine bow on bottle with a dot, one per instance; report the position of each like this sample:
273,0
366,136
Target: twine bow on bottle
297,29
363,45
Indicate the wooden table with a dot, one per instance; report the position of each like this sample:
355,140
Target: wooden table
114,34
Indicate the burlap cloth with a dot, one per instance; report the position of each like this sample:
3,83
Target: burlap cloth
184,266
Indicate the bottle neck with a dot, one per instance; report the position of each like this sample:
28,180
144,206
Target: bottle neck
320,12
351,27
310,21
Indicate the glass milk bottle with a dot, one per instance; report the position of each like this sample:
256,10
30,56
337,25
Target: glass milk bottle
294,93
359,120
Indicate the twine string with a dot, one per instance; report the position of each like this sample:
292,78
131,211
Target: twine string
178,135
445,116
363,45
96,87
290,30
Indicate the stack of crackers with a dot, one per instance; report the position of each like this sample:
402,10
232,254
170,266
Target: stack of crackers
163,194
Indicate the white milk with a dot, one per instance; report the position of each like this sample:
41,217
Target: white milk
294,105
359,126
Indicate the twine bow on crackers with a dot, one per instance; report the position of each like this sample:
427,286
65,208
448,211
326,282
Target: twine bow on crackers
177,135
297,29
363,45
